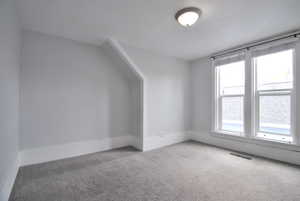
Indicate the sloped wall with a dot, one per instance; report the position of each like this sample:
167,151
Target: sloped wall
166,97
127,67
78,97
73,99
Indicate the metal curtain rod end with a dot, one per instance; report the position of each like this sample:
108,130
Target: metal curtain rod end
295,34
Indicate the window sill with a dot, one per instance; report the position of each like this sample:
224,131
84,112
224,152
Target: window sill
229,133
274,138
256,141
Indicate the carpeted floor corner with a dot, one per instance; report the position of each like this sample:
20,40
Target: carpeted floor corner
187,171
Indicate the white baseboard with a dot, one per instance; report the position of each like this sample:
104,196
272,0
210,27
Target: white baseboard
56,152
157,141
136,142
258,149
10,180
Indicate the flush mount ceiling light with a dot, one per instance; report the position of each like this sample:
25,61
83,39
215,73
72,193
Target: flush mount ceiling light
188,16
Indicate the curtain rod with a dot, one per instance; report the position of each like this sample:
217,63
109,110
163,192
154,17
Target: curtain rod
294,34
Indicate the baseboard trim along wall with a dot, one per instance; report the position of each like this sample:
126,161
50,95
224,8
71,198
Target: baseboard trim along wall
284,155
10,180
56,152
157,141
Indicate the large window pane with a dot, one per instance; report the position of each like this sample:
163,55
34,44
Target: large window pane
275,114
275,71
232,114
232,78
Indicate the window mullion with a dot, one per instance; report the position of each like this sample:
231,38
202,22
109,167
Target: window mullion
295,134
247,97
254,99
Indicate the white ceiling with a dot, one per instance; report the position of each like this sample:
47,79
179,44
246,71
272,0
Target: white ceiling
150,24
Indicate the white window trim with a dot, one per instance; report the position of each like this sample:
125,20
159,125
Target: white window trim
249,112
256,141
255,101
217,106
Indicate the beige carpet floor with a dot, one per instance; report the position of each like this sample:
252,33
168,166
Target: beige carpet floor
187,171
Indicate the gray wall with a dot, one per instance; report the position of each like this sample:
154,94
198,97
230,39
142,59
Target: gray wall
201,95
9,93
166,91
70,92
202,89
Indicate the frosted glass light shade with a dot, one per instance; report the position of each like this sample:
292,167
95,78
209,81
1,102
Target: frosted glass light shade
188,16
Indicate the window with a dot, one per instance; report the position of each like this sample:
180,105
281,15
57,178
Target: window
230,95
273,91
254,94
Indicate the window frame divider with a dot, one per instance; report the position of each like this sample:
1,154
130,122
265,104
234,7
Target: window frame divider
248,96
293,100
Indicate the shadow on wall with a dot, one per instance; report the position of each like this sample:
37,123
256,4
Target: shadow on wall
130,71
